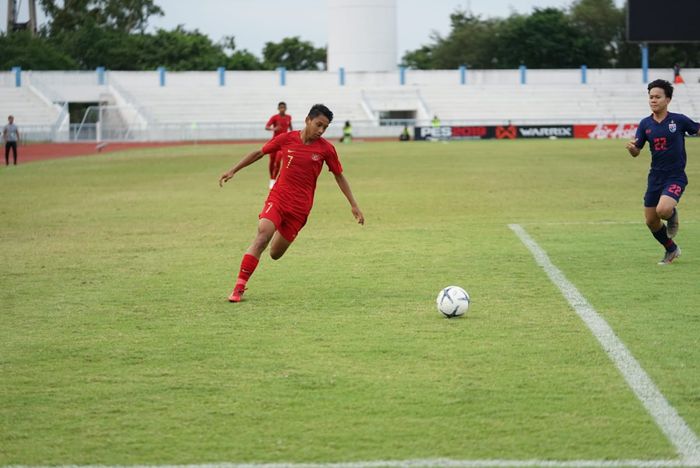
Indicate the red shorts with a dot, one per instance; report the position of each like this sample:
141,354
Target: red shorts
288,223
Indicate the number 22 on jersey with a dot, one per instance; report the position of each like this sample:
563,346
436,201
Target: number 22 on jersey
660,144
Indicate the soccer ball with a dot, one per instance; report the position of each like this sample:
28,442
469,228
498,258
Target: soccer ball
453,301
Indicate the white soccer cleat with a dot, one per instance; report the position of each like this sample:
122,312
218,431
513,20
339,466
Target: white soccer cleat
670,256
672,225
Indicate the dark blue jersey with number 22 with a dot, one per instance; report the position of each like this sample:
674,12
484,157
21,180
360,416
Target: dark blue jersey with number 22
666,140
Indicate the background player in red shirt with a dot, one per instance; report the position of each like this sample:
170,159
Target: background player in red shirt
289,202
279,123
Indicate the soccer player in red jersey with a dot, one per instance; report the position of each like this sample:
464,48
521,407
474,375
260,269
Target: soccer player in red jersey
289,202
278,124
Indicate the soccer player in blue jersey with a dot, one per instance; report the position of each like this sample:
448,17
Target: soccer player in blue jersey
665,131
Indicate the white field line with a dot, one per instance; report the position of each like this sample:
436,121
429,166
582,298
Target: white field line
437,462
584,223
592,223
670,422
666,417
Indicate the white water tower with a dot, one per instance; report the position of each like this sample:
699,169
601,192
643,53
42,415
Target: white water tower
362,35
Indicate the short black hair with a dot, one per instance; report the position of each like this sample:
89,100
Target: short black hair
320,109
282,103
663,84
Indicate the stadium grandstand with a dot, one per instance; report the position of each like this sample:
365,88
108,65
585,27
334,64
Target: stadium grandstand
363,85
219,105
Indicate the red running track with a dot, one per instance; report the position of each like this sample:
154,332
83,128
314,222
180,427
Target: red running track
44,151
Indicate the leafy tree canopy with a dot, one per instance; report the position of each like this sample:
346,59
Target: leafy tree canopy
84,34
33,53
122,15
589,32
293,54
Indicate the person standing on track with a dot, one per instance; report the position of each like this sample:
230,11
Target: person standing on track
279,123
10,133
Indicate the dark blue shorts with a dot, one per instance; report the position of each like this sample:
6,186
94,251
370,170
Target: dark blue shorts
671,184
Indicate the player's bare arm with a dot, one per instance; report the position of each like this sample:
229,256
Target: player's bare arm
246,161
632,148
345,188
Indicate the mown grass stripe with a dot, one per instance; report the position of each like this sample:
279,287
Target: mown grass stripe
667,418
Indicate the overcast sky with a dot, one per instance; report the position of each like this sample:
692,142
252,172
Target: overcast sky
254,22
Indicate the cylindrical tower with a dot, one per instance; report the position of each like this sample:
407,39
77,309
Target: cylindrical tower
362,35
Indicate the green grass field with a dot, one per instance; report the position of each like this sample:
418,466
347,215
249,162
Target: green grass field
117,344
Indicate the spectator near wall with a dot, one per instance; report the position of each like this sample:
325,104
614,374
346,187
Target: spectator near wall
347,133
677,78
10,133
405,135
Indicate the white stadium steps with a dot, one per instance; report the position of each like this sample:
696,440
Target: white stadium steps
27,107
193,105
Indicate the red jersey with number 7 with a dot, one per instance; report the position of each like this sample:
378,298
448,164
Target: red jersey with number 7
301,166
280,123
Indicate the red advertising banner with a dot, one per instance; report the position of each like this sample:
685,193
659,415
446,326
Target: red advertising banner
453,133
470,132
603,131
506,133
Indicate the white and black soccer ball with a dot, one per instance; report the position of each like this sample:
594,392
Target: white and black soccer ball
453,301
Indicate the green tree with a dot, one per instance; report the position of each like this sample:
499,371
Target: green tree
599,21
546,39
177,49
32,53
600,18
243,60
590,32
122,15
472,42
665,55
239,59
625,54
180,49
293,54
92,46
628,54
421,59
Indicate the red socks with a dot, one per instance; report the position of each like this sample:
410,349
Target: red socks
248,265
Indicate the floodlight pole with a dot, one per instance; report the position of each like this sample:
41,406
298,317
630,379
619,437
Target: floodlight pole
645,62
12,13
32,17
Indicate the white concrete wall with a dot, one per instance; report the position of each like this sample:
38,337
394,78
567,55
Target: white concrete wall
7,79
331,79
257,79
